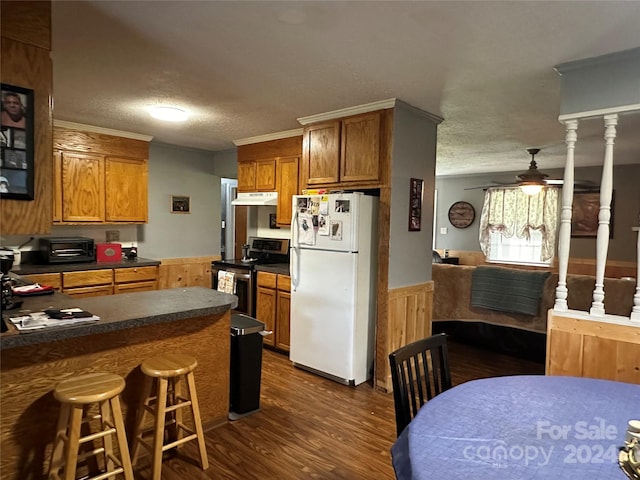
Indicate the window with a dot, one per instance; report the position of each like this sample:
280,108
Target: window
519,228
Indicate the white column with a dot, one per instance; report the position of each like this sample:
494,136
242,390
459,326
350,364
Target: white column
564,235
606,189
635,312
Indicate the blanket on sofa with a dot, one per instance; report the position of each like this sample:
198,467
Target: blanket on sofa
507,290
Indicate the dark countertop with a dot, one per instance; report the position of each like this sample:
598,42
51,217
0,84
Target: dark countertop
281,268
26,269
118,312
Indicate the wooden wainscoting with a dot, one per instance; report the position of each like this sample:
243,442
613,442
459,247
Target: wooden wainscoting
410,310
186,272
589,348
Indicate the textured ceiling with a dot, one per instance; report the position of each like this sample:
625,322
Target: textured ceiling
244,69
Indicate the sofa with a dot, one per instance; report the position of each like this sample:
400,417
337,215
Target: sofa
453,288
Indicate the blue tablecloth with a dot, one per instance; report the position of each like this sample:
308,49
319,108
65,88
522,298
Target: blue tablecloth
520,427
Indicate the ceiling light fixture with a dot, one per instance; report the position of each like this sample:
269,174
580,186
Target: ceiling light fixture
532,181
169,114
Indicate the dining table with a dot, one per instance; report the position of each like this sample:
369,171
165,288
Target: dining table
519,427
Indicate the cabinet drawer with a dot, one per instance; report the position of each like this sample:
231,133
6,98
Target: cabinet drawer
89,291
267,280
135,274
87,278
135,287
284,283
52,279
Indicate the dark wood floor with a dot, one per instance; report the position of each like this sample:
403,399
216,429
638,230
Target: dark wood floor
313,428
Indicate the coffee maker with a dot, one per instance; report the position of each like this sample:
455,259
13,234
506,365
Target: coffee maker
6,263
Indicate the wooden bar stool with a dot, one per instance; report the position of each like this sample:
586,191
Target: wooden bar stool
170,370
78,395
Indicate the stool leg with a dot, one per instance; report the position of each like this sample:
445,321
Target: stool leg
177,394
57,454
158,433
105,423
140,418
197,420
121,437
73,442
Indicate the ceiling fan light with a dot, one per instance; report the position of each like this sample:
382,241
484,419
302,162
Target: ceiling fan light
531,189
169,114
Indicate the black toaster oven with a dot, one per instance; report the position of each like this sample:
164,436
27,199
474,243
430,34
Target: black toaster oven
67,249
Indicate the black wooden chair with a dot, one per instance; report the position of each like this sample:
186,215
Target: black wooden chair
419,372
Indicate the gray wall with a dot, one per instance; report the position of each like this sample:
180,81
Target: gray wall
602,82
413,156
626,181
181,171
225,163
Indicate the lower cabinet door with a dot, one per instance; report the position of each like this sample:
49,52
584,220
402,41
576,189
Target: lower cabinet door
283,337
266,312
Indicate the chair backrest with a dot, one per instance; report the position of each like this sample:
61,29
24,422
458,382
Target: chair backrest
419,371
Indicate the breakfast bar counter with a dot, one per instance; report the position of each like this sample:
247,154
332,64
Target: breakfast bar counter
132,327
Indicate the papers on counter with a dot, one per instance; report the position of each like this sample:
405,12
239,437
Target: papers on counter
38,320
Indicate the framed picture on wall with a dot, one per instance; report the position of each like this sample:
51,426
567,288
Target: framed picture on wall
16,143
415,204
584,214
180,204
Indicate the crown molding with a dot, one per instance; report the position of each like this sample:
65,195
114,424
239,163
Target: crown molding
270,136
346,112
104,131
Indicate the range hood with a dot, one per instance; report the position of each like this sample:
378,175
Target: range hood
256,198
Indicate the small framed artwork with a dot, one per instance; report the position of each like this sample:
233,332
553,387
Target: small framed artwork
584,214
16,143
180,204
415,204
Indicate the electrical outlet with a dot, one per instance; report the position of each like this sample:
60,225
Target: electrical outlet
443,230
113,236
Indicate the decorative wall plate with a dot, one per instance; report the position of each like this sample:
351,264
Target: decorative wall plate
461,214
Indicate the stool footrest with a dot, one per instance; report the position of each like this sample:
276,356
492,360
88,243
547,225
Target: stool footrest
104,475
171,445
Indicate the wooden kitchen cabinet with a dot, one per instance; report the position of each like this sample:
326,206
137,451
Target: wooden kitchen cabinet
52,279
273,307
135,279
257,175
88,283
343,152
99,178
126,190
283,313
82,196
287,187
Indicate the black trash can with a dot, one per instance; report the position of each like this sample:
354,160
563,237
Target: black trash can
246,365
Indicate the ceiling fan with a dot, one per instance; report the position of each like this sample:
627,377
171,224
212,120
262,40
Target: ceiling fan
533,180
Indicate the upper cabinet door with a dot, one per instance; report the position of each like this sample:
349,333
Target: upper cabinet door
287,187
360,148
266,175
57,186
82,187
126,190
247,176
322,152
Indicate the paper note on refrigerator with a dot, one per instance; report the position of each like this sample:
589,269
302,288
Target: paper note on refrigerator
306,232
336,230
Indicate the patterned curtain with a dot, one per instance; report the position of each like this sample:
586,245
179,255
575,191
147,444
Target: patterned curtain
512,212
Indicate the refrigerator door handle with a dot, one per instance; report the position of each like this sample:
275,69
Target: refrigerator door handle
295,249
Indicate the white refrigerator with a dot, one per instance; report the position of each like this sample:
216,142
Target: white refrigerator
333,284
